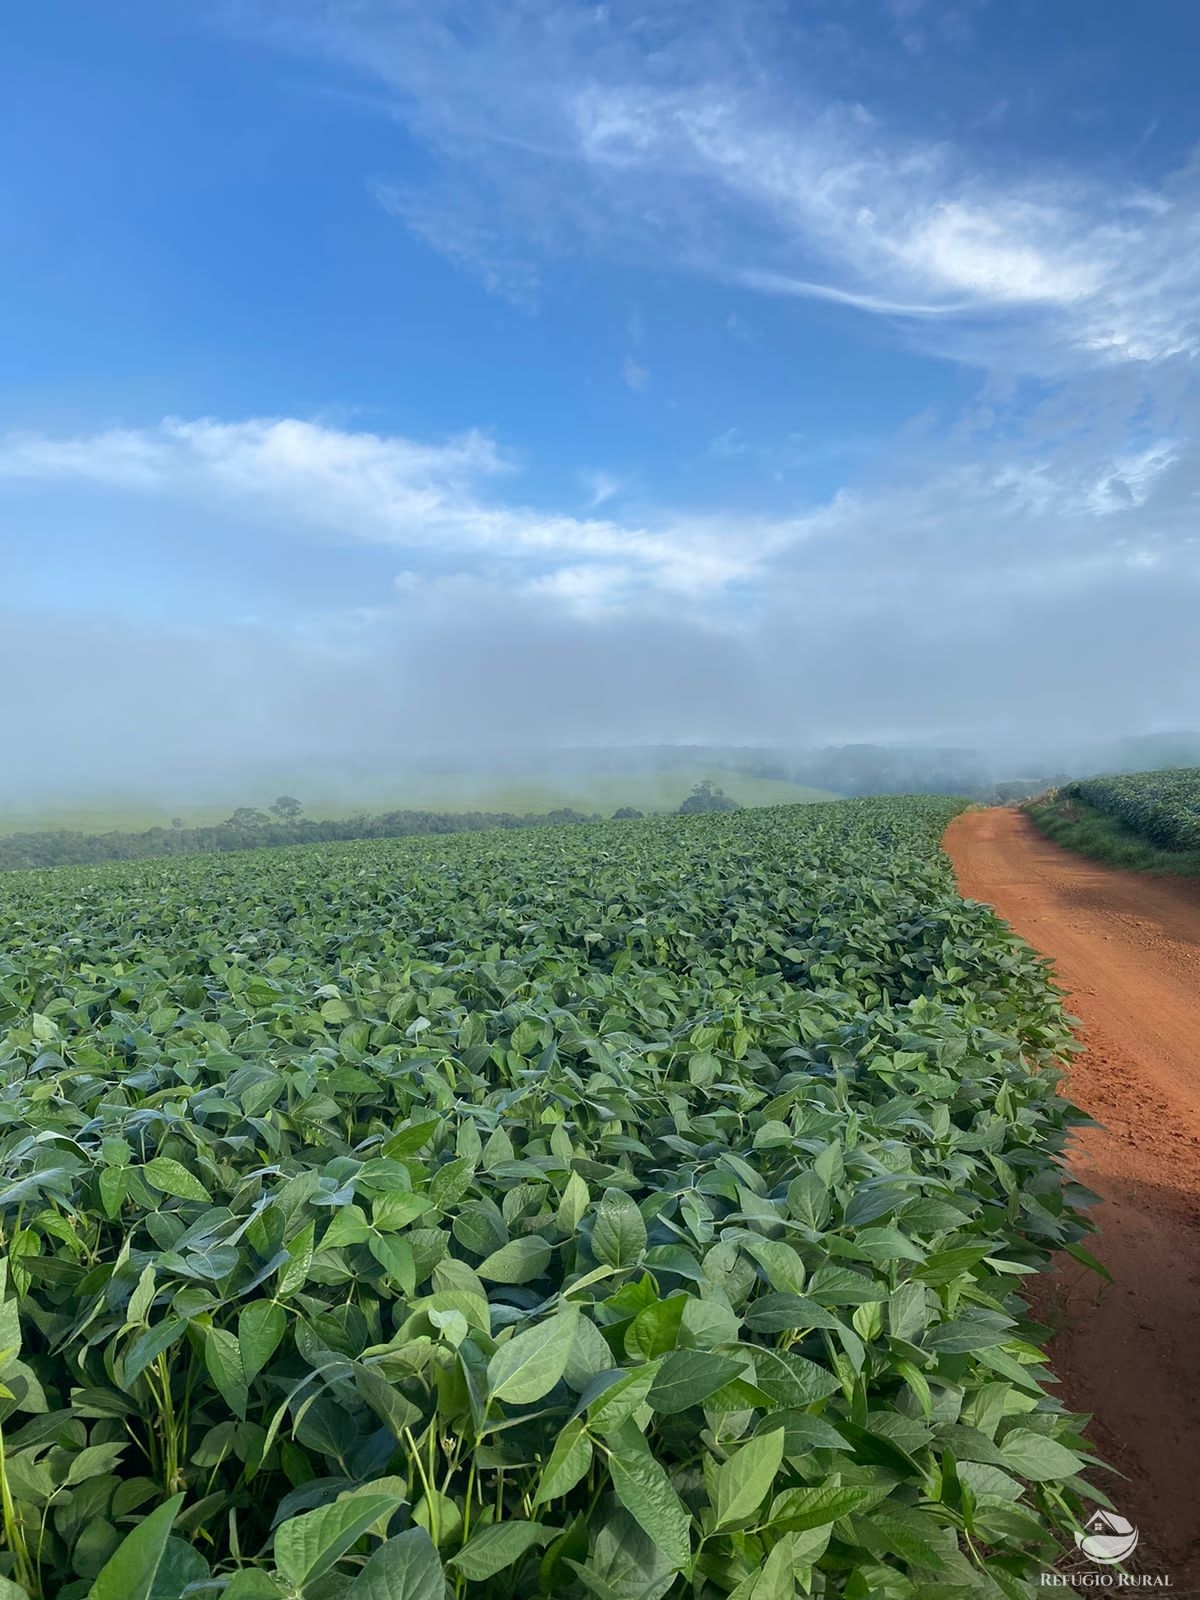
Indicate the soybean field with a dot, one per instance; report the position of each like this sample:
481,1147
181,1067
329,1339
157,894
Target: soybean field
1162,808
625,1210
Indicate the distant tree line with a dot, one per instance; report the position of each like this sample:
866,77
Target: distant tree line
707,796
249,828
283,823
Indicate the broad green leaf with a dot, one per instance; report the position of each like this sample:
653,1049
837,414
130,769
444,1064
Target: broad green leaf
519,1261
743,1482
173,1178
309,1545
249,1584
774,1313
497,1548
408,1141
618,1234
526,1367
797,1510
574,1203
568,1463
224,1362
451,1181
908,1533
404,1568
94,1461
261,1327
130,1571
907,1314
656,1329
293,1273
1037,1457
962,1335
625,1563
590,1355
142,1298
643,1488
832,1285
613,1397
182,1572
148,1346
688,1377
774,1580
793,1380
783,1267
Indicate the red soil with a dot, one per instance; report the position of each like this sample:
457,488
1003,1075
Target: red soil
1126,951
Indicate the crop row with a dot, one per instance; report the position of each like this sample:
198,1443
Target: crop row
625,1211
1161,807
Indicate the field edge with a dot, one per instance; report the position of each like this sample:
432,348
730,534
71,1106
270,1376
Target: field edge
1092,833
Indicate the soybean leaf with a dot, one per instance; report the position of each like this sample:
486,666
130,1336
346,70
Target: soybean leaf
743,1482
309,1545
1037,1457
261,1327
224,1362
499,1547
94,1461
173,1178
618,1234
797,1510
404,1568
568,1463
792,1380
643,1488
519,1261
130,1571
574,1203
528,1365
688,1377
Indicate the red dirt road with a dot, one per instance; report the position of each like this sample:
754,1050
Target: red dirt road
1126,950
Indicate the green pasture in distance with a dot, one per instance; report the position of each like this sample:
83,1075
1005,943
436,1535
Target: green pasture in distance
602,792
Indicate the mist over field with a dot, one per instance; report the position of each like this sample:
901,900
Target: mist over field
478,387
203,713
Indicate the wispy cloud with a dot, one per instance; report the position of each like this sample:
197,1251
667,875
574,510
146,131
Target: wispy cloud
911,230
1009,507
636,376
601,487
703,148
464,237
439,498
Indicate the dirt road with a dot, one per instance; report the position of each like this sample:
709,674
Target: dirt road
1126,949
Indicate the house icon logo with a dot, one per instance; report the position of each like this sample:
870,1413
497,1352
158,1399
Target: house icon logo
1107,1537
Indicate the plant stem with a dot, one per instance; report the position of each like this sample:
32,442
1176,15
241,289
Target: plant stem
14,1530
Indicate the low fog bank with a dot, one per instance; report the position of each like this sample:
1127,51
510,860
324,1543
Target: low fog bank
446,706
521,781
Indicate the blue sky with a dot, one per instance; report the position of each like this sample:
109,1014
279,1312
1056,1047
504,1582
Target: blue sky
394,376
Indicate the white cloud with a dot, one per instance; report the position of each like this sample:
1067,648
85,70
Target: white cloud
601,487
635,375
441,499
699,147
468,240
730,442
911,229
999,515
1046,582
